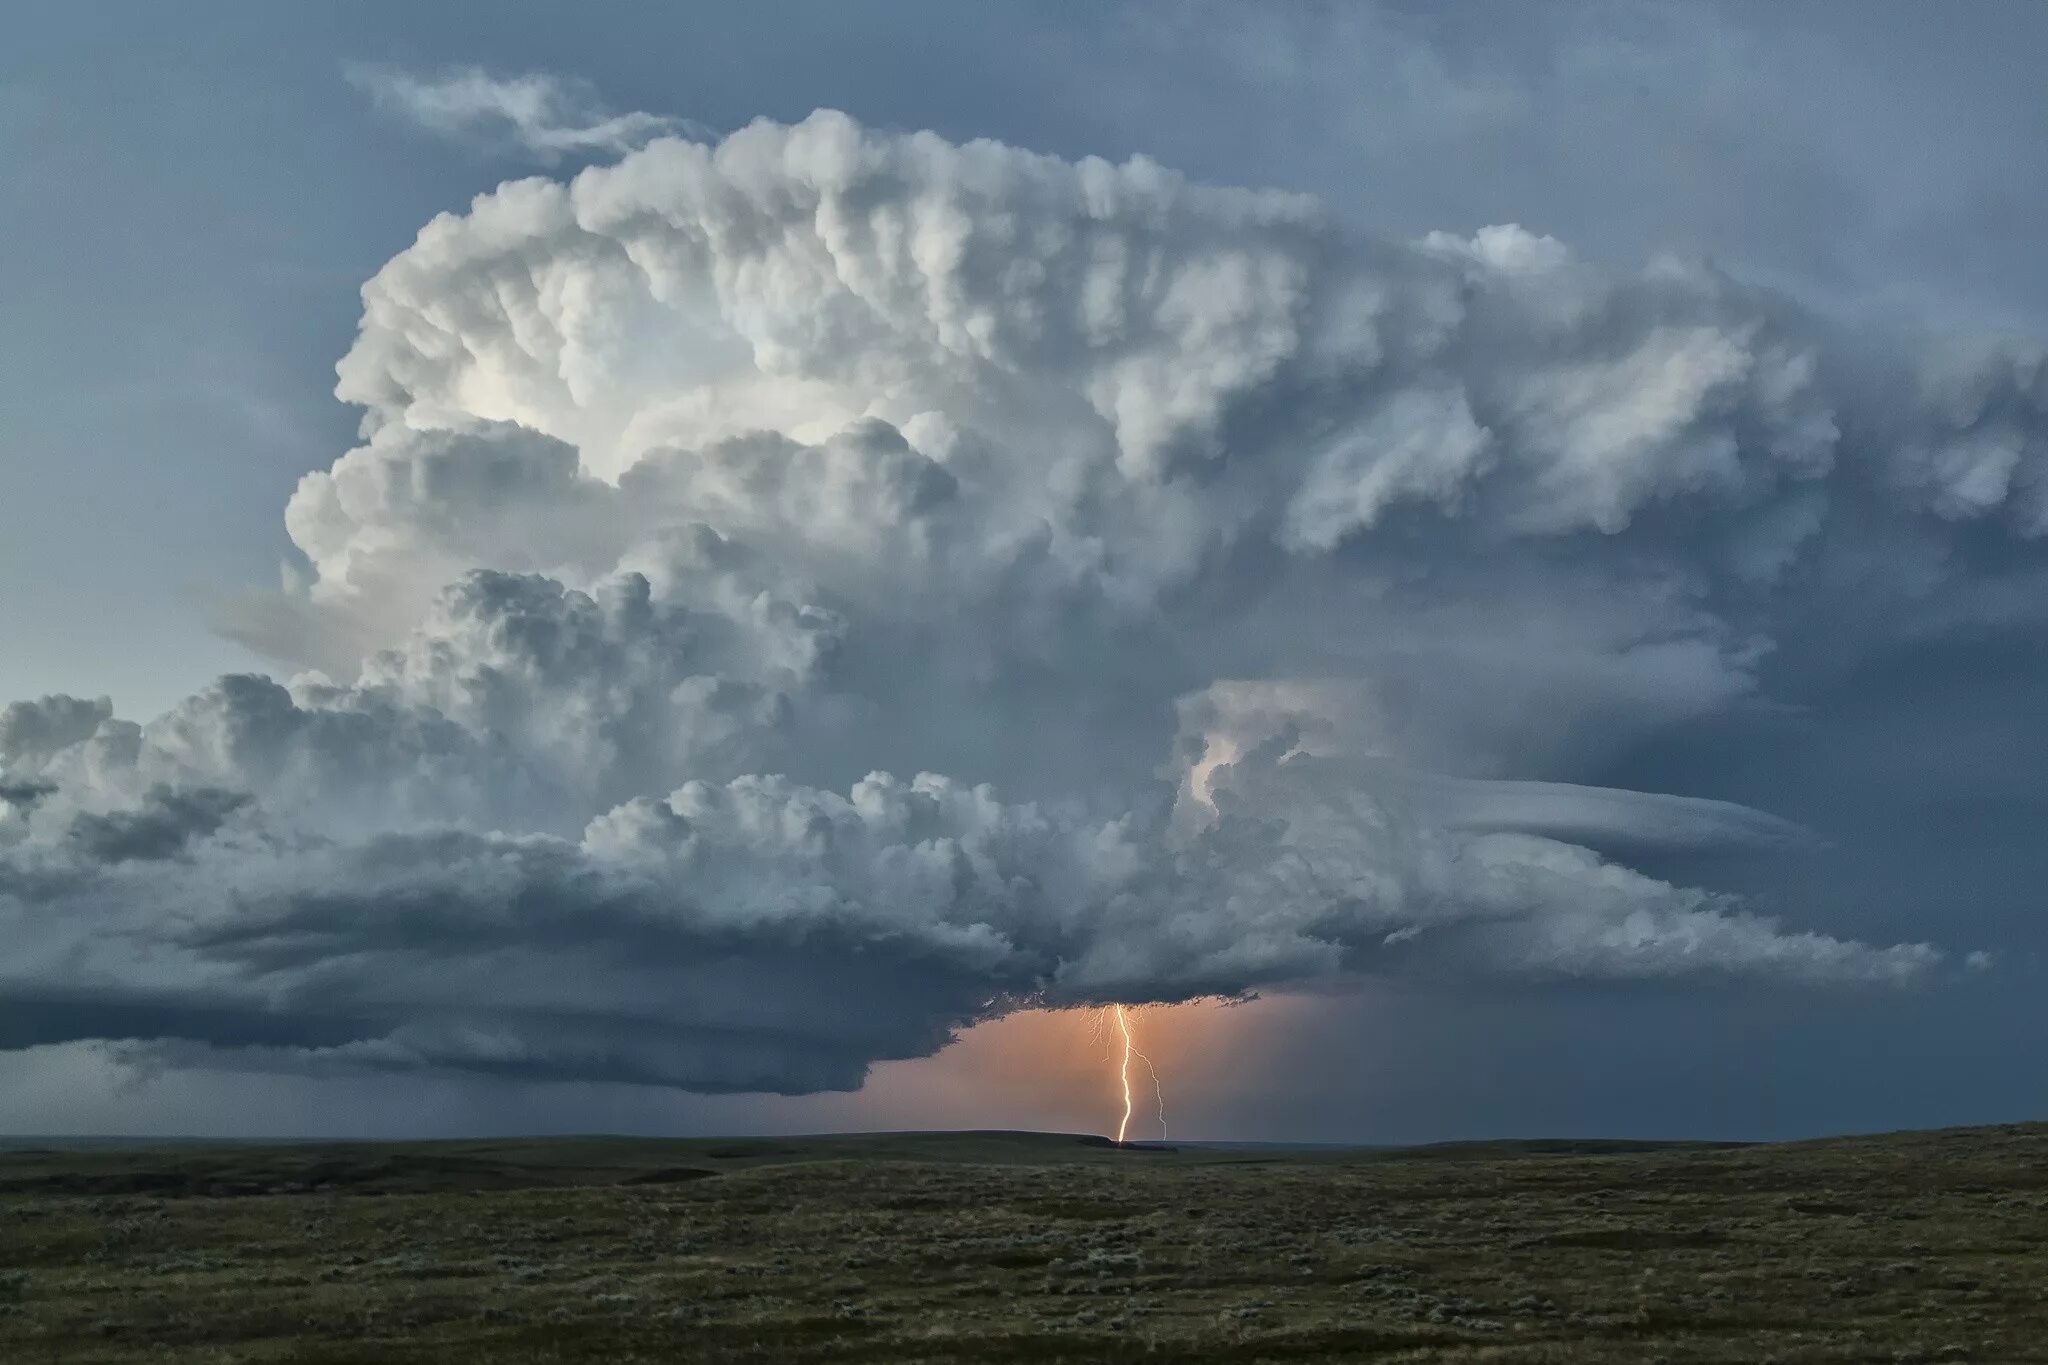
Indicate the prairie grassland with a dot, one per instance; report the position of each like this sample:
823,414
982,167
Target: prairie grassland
1016,1248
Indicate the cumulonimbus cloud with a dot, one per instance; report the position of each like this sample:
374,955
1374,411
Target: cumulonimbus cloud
1265,596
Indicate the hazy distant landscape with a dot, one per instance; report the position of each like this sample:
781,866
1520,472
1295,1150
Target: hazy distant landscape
1027,1247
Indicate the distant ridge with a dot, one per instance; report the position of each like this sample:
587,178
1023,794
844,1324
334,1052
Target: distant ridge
230,1167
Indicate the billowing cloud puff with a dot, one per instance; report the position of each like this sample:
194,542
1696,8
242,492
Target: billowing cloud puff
797,596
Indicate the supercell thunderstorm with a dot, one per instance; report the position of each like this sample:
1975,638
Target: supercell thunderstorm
799,596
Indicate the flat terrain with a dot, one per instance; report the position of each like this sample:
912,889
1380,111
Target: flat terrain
1027,1247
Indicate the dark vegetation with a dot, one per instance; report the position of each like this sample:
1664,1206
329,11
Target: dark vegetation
1027,1247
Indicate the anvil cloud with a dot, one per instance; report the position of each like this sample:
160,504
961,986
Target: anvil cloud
798,596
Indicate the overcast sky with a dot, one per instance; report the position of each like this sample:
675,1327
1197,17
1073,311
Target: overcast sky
1513,532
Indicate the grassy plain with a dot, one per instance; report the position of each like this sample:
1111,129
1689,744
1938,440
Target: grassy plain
1008,1247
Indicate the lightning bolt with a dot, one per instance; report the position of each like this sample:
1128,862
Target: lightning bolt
1122,1019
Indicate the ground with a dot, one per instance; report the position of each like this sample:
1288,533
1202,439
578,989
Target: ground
1028,1247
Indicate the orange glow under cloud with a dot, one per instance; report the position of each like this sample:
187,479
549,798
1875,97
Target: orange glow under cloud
1059,1071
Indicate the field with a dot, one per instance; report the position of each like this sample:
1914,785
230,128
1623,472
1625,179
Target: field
1009,1247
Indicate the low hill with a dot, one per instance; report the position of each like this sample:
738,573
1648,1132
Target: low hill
104,1166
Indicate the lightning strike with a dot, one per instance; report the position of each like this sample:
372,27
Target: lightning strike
1130,1050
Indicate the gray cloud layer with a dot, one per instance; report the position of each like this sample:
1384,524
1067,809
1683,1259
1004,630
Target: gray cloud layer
1266,596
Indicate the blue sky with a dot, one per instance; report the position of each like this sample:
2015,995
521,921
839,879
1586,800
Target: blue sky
191,201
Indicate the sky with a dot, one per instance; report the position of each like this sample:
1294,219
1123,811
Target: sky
717,569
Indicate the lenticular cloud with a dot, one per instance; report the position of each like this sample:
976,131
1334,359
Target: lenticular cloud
797,596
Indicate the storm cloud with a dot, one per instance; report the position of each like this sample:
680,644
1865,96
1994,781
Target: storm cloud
798,596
